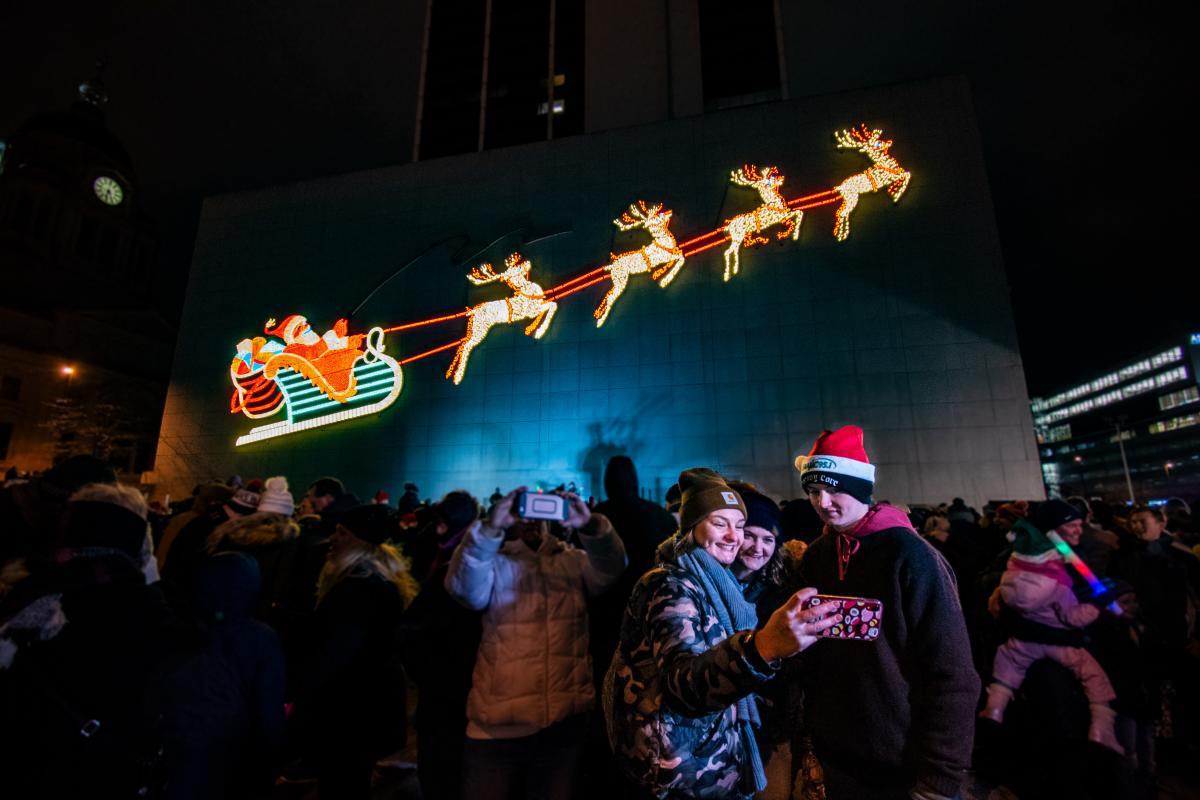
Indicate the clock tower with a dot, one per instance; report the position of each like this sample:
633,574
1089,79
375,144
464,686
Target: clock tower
71,221
77,257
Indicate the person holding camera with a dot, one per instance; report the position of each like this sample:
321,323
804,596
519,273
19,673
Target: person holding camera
532,686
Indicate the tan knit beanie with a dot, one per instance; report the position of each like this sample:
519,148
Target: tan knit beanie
704,492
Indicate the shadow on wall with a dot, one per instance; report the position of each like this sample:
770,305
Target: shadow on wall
619,435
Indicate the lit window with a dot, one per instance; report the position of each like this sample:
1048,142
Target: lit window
1170,376
1058,434
1174,424
1112,379
1180,398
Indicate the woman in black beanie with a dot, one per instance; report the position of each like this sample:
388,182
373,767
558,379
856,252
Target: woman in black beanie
761,563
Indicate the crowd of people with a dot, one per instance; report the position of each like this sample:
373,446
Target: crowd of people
724,645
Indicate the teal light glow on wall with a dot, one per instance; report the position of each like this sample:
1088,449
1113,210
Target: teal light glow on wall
312,381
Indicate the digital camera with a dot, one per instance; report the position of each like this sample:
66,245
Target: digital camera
533,505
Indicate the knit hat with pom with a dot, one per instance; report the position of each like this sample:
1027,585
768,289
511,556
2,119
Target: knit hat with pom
276,498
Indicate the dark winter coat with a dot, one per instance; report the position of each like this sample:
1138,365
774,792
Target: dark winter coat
348,684
99,671
677,676
440,642
899,710
1166,578
272,540
190,548
224,722
642,526
313,546
441,639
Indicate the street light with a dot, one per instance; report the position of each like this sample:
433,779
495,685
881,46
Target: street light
69,373
1116,423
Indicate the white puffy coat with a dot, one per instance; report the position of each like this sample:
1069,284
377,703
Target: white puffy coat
533,667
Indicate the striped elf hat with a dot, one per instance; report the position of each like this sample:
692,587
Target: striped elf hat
1030,545
1034,552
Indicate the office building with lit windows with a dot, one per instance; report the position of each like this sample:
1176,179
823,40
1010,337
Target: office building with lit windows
1132,431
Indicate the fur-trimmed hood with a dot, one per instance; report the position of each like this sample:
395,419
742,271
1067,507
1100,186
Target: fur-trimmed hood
253,532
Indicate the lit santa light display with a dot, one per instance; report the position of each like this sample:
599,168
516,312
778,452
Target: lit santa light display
312,380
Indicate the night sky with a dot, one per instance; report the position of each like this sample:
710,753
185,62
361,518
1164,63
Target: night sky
1081,108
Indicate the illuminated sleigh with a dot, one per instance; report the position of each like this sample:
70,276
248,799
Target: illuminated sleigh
308,397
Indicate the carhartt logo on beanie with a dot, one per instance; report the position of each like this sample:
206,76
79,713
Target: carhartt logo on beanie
838,461
703,492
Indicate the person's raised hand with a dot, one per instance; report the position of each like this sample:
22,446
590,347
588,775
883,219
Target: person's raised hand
578,512
792,627
502,517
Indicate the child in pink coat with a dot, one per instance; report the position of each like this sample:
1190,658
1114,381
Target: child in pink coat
1036,585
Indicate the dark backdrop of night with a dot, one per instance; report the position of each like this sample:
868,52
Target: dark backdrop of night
1081,106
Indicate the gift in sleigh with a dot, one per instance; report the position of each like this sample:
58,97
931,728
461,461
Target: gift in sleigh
311,381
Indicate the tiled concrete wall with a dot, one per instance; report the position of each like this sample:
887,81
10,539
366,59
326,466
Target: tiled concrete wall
905,328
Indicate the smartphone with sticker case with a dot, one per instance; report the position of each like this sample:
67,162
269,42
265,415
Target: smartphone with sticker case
860,617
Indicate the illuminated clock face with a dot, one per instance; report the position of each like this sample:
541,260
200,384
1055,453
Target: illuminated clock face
108,190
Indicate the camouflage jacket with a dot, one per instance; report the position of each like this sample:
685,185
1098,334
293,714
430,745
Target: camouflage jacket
670,694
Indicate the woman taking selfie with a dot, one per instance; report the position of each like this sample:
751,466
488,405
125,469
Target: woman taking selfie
679,695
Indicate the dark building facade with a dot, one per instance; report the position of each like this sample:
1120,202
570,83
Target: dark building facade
1129,435
83,362
903,327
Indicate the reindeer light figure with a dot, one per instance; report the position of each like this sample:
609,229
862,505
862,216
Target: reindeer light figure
662,258
527,302
885,171
744,229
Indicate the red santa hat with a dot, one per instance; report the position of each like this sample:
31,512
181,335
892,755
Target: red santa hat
838,462
287,330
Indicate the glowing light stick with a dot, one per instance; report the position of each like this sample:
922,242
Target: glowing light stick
1064,549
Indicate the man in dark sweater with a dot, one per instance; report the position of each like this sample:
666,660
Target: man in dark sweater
893,717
